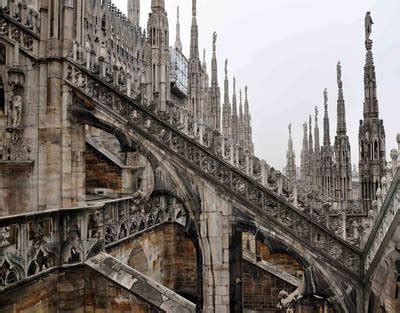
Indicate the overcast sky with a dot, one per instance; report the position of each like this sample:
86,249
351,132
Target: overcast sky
286,52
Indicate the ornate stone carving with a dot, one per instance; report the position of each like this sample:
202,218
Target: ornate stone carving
4,237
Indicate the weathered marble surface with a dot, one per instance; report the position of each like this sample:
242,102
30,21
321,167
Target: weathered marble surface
140,285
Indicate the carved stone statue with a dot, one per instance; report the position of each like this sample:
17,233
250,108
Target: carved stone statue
339,73
368,25
325,97
214,41
15,113
194,5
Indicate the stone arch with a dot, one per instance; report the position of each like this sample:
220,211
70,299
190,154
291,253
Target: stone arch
384,295
42,261
182,181
82,114
9,272
137,259
167,254
319,284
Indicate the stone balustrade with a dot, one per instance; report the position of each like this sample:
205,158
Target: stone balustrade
33,243
129,81
20,25
242,177
384,214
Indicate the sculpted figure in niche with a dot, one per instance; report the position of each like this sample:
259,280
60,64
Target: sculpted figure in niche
368,25
15,111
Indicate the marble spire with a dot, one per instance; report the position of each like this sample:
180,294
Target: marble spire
235,118
342,150
341,110
194,34
215,92
316,131
178,42
290,158
304,154
327,136
372,138
226,109
134,12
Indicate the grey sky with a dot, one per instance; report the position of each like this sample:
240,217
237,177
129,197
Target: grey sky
286,52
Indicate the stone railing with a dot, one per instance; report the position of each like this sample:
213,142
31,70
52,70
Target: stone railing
209,160
126,80
21,25
387,218
384,216
219,158
34,243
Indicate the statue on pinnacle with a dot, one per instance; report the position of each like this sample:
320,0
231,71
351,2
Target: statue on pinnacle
214,41
339,72
194,7
368,25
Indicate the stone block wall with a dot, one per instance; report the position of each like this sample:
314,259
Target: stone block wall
101,172
283,261
39,296
78,289
261,289
164,254
15,188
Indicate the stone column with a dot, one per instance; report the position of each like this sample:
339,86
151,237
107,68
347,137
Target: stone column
235,270
216,239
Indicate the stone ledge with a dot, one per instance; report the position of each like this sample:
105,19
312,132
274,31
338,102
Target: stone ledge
140,285
28,164
270,268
